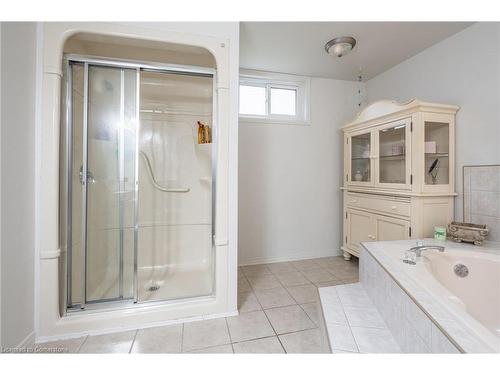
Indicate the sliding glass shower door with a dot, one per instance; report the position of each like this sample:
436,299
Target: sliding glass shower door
138,184
104,168
111,169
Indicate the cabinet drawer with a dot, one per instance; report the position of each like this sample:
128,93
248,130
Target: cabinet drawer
379,203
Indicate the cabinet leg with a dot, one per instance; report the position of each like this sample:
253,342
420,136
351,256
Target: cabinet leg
347,256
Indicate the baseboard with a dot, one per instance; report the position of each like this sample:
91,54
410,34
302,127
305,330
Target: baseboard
289,257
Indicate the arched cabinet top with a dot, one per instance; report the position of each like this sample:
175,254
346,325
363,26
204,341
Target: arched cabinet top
388,108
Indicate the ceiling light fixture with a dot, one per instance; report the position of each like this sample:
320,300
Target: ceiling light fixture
340,46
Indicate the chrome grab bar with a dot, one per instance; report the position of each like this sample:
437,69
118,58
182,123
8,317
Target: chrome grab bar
418,249
153,179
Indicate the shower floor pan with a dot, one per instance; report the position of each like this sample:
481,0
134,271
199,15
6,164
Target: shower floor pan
168,283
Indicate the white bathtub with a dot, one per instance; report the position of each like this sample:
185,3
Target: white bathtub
477,294
465,309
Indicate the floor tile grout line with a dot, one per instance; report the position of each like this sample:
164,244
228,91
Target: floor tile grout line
261,264
274,330
294,270
262,309
297,302
287,291
277,307
290,333
347,320
182,338
193,351
229,332
255,339
322,269
133,341
300,330
346,351
268,320
83,342
255,294
258,300
281,343
305,312
278,336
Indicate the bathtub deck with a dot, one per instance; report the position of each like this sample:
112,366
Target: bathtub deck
353,323
419,311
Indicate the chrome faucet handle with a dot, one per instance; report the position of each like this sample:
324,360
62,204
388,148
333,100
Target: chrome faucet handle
419,249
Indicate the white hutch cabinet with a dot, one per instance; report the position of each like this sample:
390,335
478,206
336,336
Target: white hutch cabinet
399,172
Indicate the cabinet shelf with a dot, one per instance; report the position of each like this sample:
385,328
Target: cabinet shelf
360,158
437,155
397,156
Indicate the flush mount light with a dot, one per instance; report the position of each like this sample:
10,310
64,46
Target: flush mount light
340,46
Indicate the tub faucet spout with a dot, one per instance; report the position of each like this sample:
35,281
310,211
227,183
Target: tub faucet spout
419,249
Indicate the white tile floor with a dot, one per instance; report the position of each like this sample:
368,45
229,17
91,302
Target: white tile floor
279,313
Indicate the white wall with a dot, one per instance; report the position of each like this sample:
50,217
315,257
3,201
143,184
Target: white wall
463,70
17,177
289,180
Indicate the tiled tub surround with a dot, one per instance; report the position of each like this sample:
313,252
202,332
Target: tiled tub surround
422,314
353,323
482,197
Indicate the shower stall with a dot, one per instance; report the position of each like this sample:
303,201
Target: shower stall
137,185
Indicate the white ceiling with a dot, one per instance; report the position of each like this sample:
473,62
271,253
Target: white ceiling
298,47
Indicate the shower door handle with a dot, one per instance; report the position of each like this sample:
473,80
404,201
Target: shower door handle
90,177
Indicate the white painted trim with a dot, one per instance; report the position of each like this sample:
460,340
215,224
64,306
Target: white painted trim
282,77
247,120
51,324
50,254
302,84
136,326
38,151
297,256
220,241
1,228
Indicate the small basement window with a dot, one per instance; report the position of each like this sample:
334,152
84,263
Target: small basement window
274,98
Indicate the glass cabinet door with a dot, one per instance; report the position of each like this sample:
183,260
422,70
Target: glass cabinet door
393,160
437,147
361,151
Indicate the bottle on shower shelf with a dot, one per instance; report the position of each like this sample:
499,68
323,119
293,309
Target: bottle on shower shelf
204,133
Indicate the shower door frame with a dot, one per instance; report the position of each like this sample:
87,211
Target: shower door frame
66,120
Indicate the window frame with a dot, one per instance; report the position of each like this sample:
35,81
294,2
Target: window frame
300,84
